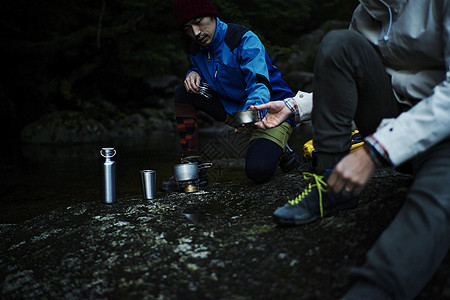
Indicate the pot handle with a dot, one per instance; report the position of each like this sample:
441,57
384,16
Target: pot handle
205,165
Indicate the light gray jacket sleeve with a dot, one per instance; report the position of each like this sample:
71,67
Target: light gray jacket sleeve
304,101
412,53
425,124
416,130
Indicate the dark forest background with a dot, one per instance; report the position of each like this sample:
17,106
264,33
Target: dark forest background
62,54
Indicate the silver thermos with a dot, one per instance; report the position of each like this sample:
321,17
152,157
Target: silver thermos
109,176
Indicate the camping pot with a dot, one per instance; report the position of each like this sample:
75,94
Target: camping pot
205,90
247,116
186,172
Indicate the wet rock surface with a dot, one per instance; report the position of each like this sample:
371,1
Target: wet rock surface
218,243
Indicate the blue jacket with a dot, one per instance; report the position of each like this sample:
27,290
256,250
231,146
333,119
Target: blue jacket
238,68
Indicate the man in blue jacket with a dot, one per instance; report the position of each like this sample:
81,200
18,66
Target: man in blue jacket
233,62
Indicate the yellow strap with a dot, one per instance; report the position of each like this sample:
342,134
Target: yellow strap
308,147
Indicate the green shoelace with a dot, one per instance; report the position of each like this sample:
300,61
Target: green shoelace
317,182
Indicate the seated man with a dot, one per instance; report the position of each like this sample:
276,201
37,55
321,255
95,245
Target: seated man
390,74
233,62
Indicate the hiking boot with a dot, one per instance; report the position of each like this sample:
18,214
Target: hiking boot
171,185
314,202
289,160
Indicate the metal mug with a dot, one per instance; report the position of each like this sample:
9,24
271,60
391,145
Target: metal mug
148,181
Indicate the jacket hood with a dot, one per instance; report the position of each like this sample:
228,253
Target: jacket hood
382,9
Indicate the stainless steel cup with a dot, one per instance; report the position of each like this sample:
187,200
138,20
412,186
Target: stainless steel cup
148,180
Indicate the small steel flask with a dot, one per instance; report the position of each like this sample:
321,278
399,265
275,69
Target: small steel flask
109,176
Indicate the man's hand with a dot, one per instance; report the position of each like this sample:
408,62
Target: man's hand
352,173
277,113
192,82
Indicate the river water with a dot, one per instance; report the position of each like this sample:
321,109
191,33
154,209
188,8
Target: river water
40,178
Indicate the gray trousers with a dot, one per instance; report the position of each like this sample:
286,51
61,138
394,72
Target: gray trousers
351,84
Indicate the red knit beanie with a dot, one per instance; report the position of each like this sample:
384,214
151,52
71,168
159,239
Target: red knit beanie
185,10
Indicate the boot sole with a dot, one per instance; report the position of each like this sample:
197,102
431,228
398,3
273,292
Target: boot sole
293,221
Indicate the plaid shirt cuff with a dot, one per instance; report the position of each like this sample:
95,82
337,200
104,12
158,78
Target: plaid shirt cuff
292,105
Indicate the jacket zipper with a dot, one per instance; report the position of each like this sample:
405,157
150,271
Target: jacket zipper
215,71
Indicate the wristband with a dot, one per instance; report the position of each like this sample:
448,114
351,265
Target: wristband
376,151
